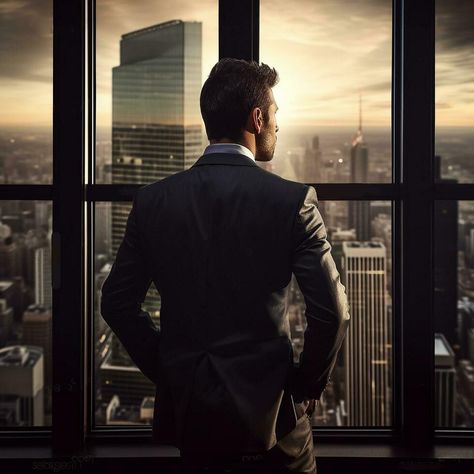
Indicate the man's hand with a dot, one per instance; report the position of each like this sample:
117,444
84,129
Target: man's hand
311,407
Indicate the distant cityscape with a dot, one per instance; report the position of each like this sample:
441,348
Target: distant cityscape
157,131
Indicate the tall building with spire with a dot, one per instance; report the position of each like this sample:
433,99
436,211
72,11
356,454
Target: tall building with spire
359,154
157,128
359,211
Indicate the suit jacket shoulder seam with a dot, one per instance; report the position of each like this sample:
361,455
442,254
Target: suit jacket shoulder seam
299,206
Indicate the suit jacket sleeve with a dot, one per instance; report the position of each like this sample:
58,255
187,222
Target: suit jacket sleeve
327,308
123,293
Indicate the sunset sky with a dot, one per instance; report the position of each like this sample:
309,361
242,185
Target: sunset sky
326,52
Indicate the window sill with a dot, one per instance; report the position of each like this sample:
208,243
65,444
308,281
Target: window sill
330,450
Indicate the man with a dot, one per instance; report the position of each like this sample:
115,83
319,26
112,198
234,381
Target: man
220,241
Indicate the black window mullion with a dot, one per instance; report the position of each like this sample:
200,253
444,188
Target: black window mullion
68,215
89,299
326,191
239,29
397,54
25,192
397,228
91,89
417,221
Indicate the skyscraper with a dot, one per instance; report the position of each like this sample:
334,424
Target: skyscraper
6,321
43,289
37,331
366,347
312,162
22,386
156,127
446,262
156,117
359,154
359,211
10,257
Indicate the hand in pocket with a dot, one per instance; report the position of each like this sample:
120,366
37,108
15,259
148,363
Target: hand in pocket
311,407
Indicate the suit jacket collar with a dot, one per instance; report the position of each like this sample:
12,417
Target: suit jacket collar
233,159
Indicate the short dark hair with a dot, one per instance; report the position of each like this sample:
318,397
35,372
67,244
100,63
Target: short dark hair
234,87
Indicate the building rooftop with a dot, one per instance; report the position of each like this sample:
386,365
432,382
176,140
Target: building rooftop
109,365
5,284
25,356
444,355
37,312
358,244
150,29
37,308
363,249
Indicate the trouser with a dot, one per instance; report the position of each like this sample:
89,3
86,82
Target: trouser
294,453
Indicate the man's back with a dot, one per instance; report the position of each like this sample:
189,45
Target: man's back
219,241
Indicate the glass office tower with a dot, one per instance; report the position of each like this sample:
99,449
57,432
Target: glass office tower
157,128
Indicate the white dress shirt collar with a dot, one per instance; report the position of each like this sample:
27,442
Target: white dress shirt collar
229,148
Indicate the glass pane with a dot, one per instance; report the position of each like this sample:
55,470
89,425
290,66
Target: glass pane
152,59
334,94
123,395
454,314
360,390
25,313
454,140
360,393
26,80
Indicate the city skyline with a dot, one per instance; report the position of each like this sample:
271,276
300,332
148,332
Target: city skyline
328,95
152,137
155,133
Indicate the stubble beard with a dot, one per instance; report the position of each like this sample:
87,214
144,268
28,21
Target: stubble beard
265,149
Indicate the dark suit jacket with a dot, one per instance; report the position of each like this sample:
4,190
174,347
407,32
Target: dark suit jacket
220,242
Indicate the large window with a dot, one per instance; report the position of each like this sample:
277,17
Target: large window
453,219
152,59
360,391
334,93
455,89
26,90
334,116
356,114
26,76
454,314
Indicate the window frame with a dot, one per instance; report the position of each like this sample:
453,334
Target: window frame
413,192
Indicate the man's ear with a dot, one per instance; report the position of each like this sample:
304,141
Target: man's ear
256,120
